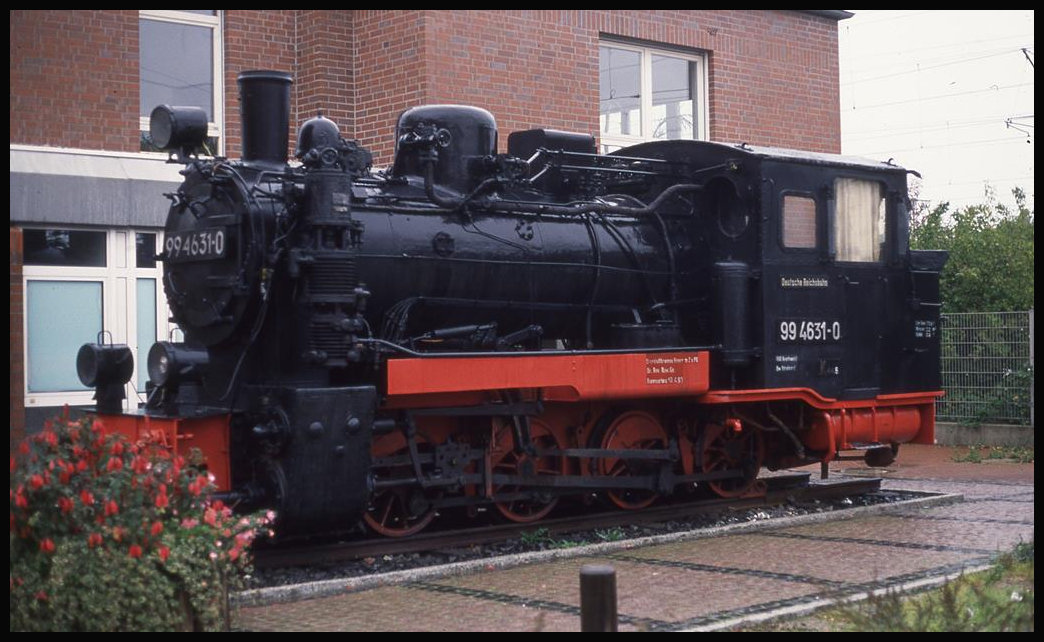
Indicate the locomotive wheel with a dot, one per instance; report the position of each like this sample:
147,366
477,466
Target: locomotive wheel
632,430
508,462
722,448
399,511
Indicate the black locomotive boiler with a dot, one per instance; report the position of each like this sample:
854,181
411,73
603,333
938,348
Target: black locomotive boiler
469,329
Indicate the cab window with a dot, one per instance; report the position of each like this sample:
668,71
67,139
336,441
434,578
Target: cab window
859,229
799,221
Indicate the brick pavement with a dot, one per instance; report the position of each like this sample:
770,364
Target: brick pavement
715,581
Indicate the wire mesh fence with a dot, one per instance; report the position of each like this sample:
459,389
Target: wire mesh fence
987,368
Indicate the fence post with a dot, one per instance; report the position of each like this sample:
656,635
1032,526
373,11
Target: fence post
1032,404
598,598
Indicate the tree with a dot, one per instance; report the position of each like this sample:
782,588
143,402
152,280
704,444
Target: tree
991,254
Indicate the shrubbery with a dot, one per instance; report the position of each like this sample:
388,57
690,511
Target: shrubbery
108,535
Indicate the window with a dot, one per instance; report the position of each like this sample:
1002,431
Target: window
77,284
650,94
61,316
180,63
799,221
859,229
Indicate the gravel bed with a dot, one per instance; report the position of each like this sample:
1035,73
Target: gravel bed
539,539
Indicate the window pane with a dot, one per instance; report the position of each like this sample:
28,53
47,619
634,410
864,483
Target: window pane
61,316
177,66
859,227
145,249
619,91
673,110
146,327
799,222
64,247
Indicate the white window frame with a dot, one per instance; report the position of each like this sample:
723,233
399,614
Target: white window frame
216,25
119,280
700,126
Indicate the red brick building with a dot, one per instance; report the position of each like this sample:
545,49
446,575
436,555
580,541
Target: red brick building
86,205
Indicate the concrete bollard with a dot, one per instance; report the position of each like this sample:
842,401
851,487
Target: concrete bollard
598,598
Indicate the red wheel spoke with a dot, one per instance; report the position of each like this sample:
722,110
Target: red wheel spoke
529,509
389,512
721,448
633,430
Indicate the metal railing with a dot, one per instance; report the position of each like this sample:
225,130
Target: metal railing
987,368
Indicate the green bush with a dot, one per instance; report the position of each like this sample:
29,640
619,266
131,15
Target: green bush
108,535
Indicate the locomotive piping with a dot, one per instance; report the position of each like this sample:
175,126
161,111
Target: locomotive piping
543,208
529,353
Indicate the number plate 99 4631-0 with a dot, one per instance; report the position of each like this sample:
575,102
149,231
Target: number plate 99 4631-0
195,245
808,331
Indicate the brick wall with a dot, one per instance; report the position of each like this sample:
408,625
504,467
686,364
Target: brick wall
529,68
773,75
260,39
391,63
74,79
325,74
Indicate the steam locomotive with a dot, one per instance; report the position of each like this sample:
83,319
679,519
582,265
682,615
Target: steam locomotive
469,331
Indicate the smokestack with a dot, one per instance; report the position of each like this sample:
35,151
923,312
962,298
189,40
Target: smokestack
264,107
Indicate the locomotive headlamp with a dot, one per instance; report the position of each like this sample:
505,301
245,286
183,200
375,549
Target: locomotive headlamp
172,363
106,368
178,128
99,364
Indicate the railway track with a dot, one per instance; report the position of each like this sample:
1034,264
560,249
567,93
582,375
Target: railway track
780,489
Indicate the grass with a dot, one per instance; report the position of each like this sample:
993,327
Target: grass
999,599
980,453
541,539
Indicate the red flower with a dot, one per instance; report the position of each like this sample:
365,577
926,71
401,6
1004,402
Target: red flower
117,533
157,528
111,508
20,500
86,497
135,551
23,448
117,448
162,501
94,539
13,464
41,595
115,463
47,546
36,482
140,465
164,553
81,466
65,505
50,437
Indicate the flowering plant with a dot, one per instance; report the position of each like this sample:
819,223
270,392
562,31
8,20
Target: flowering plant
112,535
